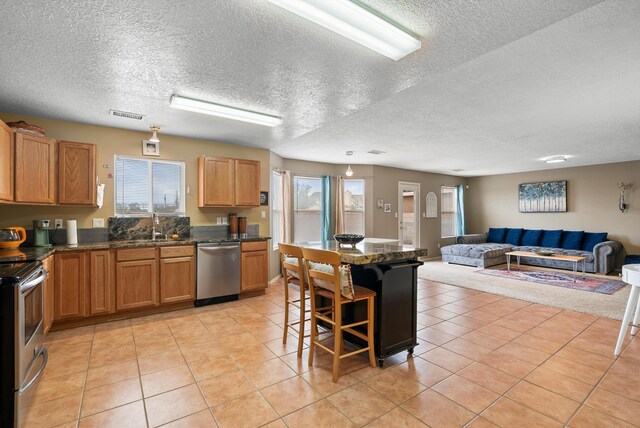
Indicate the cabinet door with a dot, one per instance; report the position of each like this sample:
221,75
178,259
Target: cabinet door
254,270
247,188
35,169
70,283
76,173
100,284
136,284
177,279
49,303
6,163
215,181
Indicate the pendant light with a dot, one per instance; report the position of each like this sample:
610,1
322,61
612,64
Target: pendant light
154,138
349,172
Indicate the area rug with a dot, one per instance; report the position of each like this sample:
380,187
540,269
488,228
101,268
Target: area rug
594,284
603,305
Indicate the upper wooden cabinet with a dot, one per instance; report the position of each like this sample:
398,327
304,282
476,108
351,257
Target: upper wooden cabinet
35,169
6,163
76,173
224,182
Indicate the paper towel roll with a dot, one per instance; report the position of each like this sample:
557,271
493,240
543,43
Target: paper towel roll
72,232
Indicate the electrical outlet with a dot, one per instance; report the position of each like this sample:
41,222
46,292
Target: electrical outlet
263,214
98,222
188,190
218,220
58,223
438,245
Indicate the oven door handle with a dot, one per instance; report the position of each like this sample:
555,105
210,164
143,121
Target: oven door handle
45,358
33,283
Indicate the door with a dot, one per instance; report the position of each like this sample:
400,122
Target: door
409,214
177,279
247,187
136,284
6,163
35,169
76,173
215,181
254,270
70,275
49,303
100,284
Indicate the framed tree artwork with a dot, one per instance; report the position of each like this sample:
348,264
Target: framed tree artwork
544,197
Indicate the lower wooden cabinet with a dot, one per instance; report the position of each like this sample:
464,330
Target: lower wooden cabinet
70,279
101,292
49,303
136,284
177,279
254,262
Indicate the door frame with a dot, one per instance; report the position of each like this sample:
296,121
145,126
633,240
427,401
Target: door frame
408,185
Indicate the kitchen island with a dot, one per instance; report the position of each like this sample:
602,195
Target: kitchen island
391,271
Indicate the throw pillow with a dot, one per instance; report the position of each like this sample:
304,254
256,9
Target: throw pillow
551,238
591,239
571,240
513,236
496,235
346,285
293,261
531,238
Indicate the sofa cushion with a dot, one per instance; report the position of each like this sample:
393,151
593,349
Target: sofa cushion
571,240
531,237
513,236
477,251
496,235
551,238
591,239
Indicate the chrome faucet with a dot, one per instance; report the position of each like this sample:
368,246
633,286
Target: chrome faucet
155,221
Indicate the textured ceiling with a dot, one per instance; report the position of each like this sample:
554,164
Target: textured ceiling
496,86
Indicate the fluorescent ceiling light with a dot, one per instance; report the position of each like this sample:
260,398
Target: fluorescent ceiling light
555,159
352,21
227,112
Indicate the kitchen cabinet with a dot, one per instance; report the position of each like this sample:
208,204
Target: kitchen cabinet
76,173
49,303
177,274
70,279
224,182
254,262
136,278
35,169
6,163
100,284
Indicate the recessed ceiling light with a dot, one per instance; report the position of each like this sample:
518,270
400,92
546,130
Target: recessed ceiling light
356,23
555,159
220,110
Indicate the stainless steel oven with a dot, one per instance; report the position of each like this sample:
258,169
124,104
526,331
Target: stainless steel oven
22,313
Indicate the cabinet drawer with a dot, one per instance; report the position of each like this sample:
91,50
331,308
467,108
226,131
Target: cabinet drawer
182,251
254,246
136,254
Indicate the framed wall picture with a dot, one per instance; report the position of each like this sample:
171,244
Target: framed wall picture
544,197
264,198
150,148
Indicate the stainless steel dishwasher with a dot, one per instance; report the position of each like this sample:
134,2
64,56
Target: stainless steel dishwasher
218,273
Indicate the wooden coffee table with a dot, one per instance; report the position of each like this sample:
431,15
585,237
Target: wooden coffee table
573,259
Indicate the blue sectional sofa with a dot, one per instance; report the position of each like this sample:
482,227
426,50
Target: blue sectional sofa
488,249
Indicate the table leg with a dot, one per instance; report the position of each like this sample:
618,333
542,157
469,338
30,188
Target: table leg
518,258
636,319
575,270
508,262
583,263
633,299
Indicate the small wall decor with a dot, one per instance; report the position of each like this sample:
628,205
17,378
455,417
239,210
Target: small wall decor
379,203
150,148
264,198
432,205
387,208
546,197
622,205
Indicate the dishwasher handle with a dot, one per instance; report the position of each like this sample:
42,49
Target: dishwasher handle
218,248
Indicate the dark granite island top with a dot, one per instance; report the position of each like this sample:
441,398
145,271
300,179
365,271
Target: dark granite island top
371,250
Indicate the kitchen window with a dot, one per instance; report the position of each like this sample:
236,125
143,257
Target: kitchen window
145,186
307,212
448,211
353,192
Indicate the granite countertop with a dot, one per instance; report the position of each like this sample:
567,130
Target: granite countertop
40,253
371,250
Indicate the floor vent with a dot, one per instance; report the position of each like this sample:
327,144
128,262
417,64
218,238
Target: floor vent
126,114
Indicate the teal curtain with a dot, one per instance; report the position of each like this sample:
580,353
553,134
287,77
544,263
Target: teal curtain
326,208
459,210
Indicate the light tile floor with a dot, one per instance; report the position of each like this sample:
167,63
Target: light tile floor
483,361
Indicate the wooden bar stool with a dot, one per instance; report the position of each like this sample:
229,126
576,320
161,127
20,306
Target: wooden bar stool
325,272
293,274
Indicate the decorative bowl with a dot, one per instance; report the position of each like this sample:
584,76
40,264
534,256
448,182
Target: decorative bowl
544,252
348,239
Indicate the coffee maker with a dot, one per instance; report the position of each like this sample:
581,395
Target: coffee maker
41,233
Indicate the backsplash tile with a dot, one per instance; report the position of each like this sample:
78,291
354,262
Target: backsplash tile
219,231
133,228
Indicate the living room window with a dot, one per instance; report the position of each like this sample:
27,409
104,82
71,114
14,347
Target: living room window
354,206
448,213
144,186
307,209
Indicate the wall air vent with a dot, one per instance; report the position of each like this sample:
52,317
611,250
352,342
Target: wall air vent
126,114
375,152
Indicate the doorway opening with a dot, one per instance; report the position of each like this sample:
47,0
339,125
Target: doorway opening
409,214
